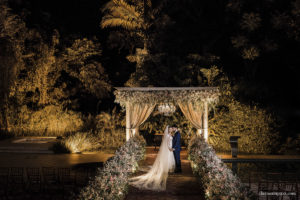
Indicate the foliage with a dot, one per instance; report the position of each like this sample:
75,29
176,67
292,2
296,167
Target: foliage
82,65
109,129
111,182
81,141
43,75
120,13
291,146
50,120
135,16
219,182
254,21
12,30
153,96
140,20
39,74
258,128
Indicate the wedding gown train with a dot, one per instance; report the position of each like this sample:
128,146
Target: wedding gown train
156,178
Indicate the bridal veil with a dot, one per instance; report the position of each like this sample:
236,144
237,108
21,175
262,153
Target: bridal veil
156,177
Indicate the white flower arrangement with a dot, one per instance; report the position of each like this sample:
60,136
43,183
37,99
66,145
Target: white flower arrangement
111,182
167,95
219,182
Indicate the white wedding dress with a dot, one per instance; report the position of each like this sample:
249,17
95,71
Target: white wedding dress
156,178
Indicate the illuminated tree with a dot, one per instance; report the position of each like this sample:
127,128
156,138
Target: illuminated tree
81,62
140,20
12,31
133,17
40,72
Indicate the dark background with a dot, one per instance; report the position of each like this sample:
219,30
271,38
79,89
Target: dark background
271,81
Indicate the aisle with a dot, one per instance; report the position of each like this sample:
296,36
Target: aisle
179,186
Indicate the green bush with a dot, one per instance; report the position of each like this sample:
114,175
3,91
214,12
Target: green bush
291,146
48,121
256,127
81,141
77,142
110,129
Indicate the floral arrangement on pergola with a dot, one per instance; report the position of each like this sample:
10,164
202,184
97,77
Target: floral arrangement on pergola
194,102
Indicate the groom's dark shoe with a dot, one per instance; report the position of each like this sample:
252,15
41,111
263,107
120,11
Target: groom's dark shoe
177,171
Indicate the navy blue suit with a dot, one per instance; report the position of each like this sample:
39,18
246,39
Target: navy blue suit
177,146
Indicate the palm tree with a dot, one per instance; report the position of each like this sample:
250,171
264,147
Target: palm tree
137,17
133,17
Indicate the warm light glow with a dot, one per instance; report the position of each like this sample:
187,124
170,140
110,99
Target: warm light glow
166,109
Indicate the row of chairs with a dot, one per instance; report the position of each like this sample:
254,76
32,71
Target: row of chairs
274,185
50,181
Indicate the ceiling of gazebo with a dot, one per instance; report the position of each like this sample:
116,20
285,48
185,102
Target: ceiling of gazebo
166,94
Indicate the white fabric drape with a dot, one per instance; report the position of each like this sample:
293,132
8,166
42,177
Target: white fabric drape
193,114
156,178
138,114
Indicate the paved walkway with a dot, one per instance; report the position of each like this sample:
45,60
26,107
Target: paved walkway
179,186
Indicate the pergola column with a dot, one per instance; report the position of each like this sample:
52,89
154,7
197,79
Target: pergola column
205,121
199,132
127,121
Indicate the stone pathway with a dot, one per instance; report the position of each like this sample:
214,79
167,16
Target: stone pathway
182,186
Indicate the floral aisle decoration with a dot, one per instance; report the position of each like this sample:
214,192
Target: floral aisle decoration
111,182
218,181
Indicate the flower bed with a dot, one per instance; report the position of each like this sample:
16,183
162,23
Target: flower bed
218,181
111,182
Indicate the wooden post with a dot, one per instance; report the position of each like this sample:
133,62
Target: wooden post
205,121
127,121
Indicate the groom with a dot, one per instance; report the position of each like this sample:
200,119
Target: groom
176,148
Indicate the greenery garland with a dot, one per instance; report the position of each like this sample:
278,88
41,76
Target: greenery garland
148,96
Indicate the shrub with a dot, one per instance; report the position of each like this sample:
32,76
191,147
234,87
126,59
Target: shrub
291,146
78,142
218,181
109,129
81,141
256,127
51,120
111,182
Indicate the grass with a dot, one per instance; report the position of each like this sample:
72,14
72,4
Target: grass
77,143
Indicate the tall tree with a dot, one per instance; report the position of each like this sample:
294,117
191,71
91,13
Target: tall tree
12,34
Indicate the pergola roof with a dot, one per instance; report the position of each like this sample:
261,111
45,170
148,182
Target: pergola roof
166,94
211,89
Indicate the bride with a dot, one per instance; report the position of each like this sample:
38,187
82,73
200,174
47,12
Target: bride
156,178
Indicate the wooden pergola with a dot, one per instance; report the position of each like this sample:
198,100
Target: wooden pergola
194,102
